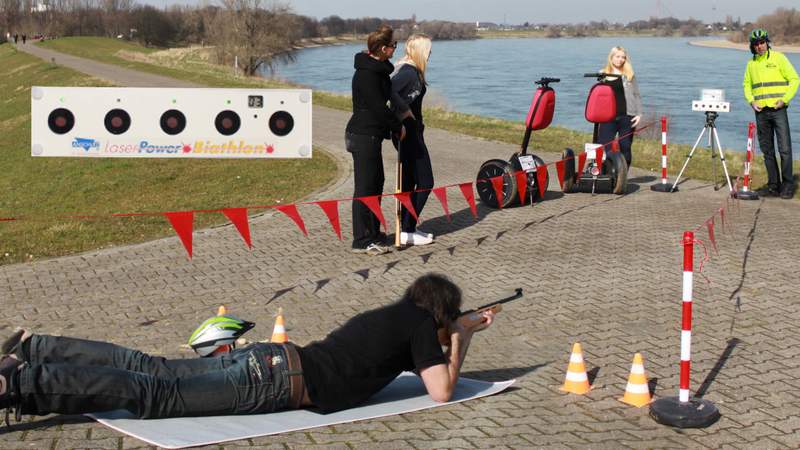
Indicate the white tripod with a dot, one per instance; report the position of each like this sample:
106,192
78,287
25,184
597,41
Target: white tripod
713,142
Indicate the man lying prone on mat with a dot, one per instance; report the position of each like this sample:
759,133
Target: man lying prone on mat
48,374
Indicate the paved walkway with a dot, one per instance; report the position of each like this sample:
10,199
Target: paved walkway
602,270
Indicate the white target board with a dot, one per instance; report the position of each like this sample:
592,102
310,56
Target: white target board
170,122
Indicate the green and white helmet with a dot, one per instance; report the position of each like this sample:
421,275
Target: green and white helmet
216,332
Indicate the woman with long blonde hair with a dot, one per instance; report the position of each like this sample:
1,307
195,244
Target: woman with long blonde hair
629,103
408,90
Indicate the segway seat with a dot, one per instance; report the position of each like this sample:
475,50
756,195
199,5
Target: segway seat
542,107
601,105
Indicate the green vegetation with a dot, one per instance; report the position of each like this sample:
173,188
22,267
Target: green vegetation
647,152
42,191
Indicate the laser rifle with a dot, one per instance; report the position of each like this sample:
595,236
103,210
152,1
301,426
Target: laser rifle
474,317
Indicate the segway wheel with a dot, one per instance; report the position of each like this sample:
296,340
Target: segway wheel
532,181
495,168
569,170
618,172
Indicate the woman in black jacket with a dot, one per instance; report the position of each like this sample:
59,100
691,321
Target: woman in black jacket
372,122
408,89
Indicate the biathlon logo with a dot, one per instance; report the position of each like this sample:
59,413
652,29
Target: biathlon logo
230,147
86,144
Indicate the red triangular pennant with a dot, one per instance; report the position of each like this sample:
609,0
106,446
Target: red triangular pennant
710,226
560,172
581,165
522,184
405,199
291,211
497,184
331,209
374,205
598,156
238,217
182,223
469,196
441,194
541,179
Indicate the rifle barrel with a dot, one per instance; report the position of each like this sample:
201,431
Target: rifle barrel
517,294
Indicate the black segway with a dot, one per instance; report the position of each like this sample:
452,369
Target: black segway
612,171
539,117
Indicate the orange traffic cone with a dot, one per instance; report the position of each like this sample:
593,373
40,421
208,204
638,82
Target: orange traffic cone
576,382
279,335
222,311
637,393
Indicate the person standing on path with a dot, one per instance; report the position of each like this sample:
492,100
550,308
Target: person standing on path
770,82
372,122
409,87
629,104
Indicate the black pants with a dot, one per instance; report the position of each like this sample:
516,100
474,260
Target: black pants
774,124
74,376
621,126
368,177
417,172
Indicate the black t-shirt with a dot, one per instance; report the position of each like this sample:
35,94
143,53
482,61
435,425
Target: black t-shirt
360,358
619,95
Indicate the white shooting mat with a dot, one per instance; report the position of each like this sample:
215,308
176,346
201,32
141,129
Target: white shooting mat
405,394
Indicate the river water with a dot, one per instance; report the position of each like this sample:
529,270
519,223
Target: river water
494,77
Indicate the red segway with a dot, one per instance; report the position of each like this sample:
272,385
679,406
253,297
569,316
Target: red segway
539,117
612,171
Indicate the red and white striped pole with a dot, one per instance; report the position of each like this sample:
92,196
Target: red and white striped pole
745,193
683,411
664,186
686,327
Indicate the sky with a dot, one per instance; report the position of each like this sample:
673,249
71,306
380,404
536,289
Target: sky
538,11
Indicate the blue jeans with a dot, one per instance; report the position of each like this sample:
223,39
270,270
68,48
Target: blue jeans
74,376
417,172
621,126
774,124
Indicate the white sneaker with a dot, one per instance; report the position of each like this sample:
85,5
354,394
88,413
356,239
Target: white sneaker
422,233
414,239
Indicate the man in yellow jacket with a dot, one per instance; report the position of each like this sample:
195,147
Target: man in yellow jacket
770,82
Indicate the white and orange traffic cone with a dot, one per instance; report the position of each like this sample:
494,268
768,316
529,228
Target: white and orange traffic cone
222,310
279,335
637,392
576,381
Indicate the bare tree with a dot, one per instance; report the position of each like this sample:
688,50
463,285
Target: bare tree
253,34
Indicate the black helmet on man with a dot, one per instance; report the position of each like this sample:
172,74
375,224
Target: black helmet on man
756,36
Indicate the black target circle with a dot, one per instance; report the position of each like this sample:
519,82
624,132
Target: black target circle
61,121
173,122
227,122
281,123
117,121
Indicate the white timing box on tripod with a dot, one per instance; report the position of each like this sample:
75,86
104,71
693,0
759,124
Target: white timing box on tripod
170,122
711,100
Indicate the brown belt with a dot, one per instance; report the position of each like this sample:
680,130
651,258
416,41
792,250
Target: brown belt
295,373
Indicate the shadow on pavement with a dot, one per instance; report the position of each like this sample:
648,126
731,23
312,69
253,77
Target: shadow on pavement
712,375
57,420
503,374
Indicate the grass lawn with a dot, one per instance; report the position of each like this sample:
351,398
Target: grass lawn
189,65
40,190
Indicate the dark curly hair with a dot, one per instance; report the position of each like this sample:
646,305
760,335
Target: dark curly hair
438,295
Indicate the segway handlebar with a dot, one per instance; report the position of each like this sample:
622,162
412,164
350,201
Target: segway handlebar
601,75
474,317
544,81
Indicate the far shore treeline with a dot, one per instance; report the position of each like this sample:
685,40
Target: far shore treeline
252,33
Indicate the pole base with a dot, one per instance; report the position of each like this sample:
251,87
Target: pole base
696,413
746,195
661,187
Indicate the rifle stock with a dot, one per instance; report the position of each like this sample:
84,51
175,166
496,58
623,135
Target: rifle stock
474,317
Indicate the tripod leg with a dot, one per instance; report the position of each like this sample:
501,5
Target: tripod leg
722,158
688,158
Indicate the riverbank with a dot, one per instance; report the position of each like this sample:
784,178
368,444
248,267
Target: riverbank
742,46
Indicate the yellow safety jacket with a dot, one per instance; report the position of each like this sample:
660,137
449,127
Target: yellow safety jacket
768,78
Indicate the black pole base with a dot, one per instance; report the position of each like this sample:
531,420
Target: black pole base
696,413
661,187
746,195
